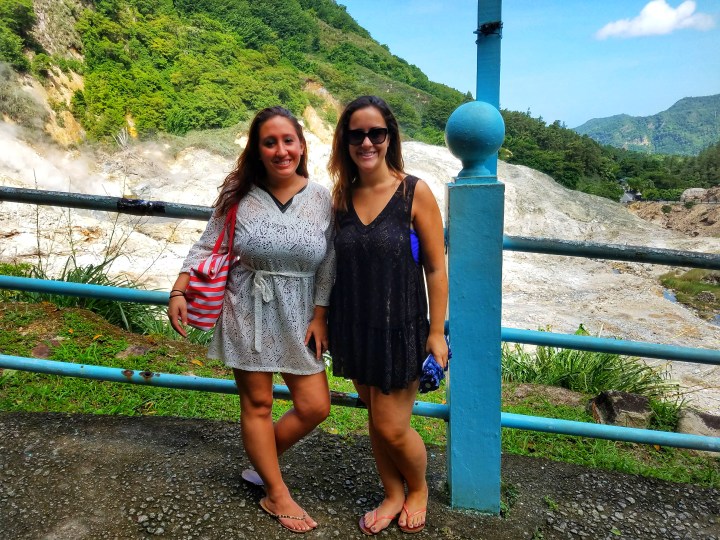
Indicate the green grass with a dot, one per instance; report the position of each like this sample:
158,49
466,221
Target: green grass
698,289
138,318
590,373
584,371
76,335
665,463
79,338
508,497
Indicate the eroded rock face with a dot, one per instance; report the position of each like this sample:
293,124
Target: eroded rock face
694,219
693,194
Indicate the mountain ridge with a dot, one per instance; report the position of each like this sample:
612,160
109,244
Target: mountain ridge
687,127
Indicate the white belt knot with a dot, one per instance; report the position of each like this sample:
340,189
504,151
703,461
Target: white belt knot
263,291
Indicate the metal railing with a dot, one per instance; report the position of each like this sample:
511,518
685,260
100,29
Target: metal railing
515,335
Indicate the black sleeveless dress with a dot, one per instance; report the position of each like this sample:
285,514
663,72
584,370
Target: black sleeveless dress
378,321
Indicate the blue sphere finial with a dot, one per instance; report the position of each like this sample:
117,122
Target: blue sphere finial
473,133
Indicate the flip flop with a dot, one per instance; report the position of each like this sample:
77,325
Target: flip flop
366,530
252,477
278,517
412,530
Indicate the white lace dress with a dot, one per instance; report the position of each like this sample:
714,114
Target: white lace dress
286,267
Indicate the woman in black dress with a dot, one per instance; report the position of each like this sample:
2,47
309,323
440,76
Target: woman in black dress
378,318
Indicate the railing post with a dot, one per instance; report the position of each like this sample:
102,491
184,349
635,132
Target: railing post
474,133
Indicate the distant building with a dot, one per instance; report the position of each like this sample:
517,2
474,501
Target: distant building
631,195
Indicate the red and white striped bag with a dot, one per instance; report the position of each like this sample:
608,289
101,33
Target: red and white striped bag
206,290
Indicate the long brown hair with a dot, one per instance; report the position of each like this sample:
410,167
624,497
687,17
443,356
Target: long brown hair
249,169
342,168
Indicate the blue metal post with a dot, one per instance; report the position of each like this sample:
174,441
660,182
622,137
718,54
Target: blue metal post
474,133
489,34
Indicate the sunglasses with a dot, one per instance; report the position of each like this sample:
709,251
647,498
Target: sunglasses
376,136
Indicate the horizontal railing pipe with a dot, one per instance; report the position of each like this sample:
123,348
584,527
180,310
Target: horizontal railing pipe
614,433
617,252
515,335
608,345
551,246
183,382
421,408
84,290
122,205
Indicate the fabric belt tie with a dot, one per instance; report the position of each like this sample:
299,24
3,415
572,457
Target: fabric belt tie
263,291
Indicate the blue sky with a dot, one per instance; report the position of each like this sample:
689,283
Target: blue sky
568,60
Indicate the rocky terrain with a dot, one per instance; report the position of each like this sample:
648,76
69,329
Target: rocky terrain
609,298
696,219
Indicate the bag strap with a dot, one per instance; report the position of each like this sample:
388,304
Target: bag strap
230,220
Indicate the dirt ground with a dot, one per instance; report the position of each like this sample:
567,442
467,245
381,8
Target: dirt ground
701,219
82,477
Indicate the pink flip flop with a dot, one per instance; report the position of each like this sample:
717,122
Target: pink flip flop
412,530
366,530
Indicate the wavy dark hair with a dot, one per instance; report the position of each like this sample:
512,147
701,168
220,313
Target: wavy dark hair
249,168
342,168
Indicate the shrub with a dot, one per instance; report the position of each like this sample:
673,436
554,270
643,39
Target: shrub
584,371
11,49
41,65
123,314
17,15
666,208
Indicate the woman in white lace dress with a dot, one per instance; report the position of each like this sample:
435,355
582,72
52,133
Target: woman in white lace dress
274,311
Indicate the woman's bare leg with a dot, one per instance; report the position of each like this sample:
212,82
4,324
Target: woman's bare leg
258,434
402,447
311,406
390,476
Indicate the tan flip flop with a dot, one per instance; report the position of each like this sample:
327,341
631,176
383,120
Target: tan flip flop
278,517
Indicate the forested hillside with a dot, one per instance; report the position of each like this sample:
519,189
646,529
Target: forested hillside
150,68
175,66
578,162
686,128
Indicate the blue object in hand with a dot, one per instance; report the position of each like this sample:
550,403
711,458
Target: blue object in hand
432,373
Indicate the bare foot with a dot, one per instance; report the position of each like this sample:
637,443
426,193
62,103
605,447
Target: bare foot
414,511
381,517
288,513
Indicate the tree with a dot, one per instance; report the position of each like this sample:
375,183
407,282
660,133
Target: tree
18,16
11,49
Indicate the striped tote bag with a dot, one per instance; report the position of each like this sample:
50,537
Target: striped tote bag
206,290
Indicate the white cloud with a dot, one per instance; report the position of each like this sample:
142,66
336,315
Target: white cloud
658,18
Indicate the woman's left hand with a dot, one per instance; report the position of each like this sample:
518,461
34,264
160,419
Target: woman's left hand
316,337
437,345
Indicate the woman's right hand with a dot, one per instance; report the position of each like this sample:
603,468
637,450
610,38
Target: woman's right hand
177,313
